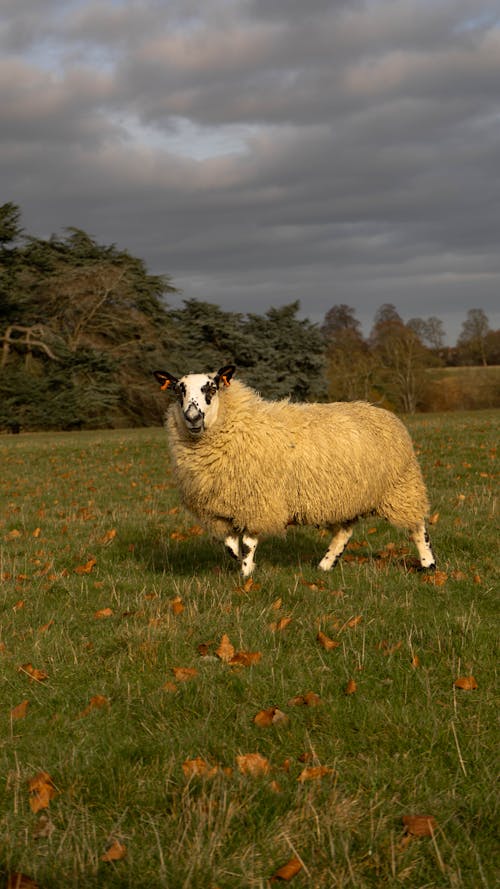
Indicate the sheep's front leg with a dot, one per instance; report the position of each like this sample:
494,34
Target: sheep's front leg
422,541
337,546
248,550
232,544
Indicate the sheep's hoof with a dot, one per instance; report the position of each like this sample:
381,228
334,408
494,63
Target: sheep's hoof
426,568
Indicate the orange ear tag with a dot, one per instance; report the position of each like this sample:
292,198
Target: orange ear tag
165,385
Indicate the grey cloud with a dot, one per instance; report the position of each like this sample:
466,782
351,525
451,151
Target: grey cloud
356,153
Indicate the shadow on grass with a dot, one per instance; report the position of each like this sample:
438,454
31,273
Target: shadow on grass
300,548
198,555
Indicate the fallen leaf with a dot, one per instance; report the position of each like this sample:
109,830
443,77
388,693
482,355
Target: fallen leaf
245,658
42,790
87,568
310,699
225,651
15,880
434,518
184,674
169,686
351,687
33,672
13,535
278,625
326,642
253,764
46,627
288,871
198,767
314,773
103,613
97,702
177,605
271,716
354,621
466,683
115,852
277,604
437,578
19,605
420,825
108,537
415,662
37,532
19,712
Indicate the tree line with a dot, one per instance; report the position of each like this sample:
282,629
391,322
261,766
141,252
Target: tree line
82,325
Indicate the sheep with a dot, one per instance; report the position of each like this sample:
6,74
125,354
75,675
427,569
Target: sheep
247,467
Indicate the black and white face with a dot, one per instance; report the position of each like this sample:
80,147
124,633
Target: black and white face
198,396
199,401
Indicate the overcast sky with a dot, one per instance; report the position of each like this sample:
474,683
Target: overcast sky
262,151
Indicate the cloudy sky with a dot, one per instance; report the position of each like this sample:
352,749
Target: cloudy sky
262,151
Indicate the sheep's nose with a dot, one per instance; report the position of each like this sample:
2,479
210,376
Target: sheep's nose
194,417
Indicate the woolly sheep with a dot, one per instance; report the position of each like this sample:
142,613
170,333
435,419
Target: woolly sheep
247,467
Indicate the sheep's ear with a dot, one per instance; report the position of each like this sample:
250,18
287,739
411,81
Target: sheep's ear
166,380
224,374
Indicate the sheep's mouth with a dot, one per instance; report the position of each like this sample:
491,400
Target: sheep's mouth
195,430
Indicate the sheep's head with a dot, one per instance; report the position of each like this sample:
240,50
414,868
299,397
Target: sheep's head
198,396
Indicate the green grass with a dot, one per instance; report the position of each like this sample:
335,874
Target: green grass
406,742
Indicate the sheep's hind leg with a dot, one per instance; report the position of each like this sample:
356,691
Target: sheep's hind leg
248,548
337,546
232,544
422,541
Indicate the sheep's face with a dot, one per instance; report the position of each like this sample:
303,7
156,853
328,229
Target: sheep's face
198,396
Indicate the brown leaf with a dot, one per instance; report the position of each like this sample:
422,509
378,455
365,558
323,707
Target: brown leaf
45,627
42,790
354,621
13,535
310,699
434,518
184,674
245,658
278,625
115,852
225,651
19,712
33,672
15,880
87,568
271,716
351,687
198,767
277,604
314,773
420,825
327,643
169,686
108,537
288,871
437,578
177,605
103,613
415,662
466,683
97,702
253,764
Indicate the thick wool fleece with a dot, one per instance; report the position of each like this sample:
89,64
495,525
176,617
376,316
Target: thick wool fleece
266,464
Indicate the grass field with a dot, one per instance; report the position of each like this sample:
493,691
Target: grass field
134,663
